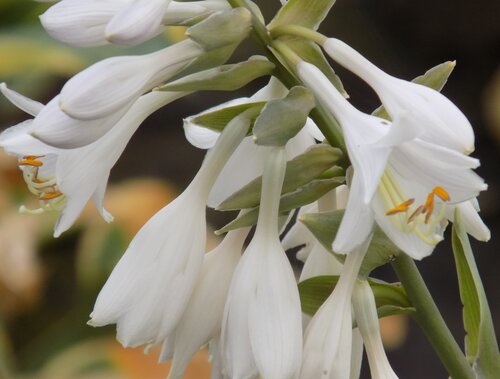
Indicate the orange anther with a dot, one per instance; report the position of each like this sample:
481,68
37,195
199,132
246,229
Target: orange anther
33,157
403,207
30,162
50,195
441,193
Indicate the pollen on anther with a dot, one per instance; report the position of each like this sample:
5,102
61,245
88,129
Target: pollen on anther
50,195
441,193
403,207
30,162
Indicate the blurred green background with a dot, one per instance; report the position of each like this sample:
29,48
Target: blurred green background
47,286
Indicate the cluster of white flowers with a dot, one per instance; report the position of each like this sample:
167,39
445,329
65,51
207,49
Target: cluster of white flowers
408,176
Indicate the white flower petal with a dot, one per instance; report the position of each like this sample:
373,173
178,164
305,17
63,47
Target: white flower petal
365,310
201,321
473,223
357,222
134,297
18,141
137,22
55,128
274,318
80,23
111,84
27,105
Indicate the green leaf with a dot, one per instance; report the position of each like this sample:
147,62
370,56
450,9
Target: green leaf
390,298
282,119
480,342
218,119
302,196
310,52
437,76
434,78
223,78
324,227
222,28
299,171
305,13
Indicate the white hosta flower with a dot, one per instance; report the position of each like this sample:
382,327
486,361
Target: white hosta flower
149,288
365,310
99,22
65,179
328,337
201,321
246,163
402,181
109,85
422,107
261,332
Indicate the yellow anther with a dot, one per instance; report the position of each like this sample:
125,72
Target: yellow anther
403,207
30,162
50,195
441,193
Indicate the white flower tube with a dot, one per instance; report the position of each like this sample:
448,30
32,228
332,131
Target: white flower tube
149,289
365,310
74,175
399,179
261,331
328,338
109,85
201,321
427,109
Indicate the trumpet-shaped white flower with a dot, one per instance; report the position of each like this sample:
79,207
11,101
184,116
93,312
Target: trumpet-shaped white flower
149,288
365,310
240,170
261,332
201,321
399,179
65,179
328,338
98,22
422,107
110,85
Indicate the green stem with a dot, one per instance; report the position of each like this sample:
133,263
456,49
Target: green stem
323,119
430,320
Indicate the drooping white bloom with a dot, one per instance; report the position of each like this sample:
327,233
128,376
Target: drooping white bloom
98,22
328,337
65,179
261,331
400,180
149,288
422,107
109,85
240,170
201,321
365,310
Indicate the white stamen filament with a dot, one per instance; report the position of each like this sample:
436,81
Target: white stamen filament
392,195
